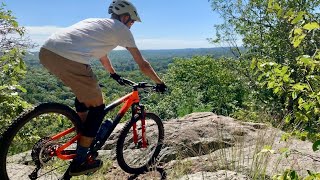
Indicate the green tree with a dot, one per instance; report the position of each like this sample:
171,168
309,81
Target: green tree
282,45
12,67
297,81
202,83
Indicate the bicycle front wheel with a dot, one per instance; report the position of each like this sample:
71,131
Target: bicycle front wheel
26,148
138,156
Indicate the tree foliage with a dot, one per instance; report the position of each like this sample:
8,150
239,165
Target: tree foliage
12,67
281,40
298,80
202,83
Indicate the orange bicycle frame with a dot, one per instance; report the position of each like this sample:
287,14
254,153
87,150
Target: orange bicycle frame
129,100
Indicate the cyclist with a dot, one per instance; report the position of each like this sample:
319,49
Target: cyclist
66,54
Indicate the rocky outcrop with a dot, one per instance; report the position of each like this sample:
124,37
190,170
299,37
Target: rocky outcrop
205,143
208,146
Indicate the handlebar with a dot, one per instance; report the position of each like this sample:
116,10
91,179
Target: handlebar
137,85
134,84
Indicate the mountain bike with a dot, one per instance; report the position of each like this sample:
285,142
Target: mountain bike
40,143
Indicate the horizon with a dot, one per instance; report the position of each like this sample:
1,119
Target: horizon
165,49
165,25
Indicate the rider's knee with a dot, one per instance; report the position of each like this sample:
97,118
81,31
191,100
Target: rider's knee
80,107
94,102
84,105
93,121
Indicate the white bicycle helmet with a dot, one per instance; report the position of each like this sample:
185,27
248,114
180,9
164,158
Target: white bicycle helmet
124,6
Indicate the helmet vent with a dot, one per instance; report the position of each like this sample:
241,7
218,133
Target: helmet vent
116,8
126,3
135,13
121,5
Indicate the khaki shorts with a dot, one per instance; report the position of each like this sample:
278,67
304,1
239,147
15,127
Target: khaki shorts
79,77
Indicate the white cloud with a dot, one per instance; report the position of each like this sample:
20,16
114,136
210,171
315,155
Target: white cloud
43,30
39,34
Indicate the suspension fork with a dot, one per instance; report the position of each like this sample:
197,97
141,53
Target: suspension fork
140,110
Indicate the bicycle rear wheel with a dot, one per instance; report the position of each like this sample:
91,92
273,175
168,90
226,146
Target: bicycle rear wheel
133,157
26,145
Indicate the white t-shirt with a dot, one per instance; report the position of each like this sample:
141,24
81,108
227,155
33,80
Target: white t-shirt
90,38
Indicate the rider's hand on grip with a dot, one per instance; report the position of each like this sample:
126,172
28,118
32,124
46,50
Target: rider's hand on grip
118,78
161,88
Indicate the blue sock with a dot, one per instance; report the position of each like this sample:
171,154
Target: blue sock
81,154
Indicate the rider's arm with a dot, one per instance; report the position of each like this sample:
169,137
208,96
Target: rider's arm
144,65
107,64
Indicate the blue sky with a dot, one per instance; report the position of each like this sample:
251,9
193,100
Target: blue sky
166,24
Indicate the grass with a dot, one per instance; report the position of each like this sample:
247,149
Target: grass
180,169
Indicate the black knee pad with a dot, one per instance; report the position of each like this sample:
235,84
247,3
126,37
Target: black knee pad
93,121
80,107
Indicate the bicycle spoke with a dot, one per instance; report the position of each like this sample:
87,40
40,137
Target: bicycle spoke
31,147
52,170
134,154
139,157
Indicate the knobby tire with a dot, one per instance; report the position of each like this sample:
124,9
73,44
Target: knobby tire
150,162
45,109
